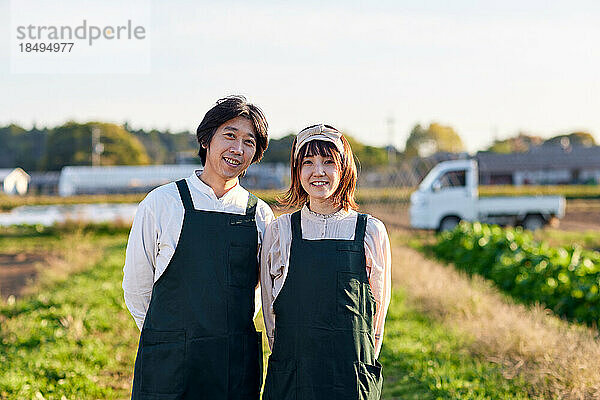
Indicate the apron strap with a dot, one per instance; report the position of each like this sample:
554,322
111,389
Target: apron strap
251,206
184,193
361,227
296,226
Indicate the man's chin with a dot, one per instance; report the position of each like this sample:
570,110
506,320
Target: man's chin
229,175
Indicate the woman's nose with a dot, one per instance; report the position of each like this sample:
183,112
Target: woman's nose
319,170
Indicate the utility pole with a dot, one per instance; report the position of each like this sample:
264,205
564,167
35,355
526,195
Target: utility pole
391,148
97,147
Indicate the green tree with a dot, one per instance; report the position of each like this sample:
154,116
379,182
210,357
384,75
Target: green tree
21,148
576,138
424,142
162,147
71,144
368,156
518,144
279,149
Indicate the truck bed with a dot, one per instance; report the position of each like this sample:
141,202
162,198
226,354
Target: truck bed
523,205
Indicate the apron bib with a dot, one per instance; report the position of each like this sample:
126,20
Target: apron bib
324,346
198,339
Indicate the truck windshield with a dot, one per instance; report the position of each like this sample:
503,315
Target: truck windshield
454,178
429,179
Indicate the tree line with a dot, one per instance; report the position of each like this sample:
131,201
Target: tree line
50,149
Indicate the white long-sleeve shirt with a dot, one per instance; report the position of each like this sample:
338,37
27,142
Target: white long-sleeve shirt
155,233
275,257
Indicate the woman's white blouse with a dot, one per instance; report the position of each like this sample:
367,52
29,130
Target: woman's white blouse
275,256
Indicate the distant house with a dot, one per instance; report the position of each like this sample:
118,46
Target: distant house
14,181
542,165
119,179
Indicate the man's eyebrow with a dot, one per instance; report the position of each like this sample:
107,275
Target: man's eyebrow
233,128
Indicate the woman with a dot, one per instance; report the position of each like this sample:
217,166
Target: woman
325,280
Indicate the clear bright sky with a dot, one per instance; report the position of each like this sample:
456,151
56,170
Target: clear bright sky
487,68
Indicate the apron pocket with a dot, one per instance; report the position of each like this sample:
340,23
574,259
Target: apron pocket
243,266
162,362
348,299
369,380
350,255
281,380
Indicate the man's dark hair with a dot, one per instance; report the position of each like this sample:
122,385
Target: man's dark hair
228,108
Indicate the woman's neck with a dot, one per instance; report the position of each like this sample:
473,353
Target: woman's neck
323,206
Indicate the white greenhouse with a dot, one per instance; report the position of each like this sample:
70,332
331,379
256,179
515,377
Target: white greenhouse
119,179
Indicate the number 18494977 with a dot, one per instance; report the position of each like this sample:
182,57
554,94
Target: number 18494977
57,47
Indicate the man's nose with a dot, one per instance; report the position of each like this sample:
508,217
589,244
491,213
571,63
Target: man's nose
237,148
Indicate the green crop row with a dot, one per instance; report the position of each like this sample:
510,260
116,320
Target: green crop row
565,279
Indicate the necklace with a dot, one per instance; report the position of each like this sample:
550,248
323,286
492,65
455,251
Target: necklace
324,216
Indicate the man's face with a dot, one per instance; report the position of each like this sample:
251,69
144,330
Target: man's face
231,149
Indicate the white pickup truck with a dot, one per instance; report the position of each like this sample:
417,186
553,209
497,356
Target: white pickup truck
449,194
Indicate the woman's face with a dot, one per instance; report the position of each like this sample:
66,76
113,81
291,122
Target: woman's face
319,177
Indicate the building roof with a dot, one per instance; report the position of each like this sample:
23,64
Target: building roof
540,158
118,176
4,172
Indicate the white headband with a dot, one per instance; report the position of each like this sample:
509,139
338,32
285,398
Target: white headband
319,132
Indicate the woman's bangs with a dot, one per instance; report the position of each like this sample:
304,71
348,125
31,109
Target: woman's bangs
318,148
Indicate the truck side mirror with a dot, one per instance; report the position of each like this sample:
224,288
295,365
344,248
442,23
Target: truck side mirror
436,186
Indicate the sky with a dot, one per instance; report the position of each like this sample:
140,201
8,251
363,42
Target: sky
489,69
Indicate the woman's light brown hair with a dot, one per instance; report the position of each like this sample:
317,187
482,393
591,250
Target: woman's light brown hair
296,196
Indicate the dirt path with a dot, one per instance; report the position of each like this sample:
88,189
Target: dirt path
16,271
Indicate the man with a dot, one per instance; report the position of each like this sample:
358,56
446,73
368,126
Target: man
191,268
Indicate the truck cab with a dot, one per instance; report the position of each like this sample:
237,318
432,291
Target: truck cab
450,194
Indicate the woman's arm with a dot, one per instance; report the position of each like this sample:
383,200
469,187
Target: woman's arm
379,270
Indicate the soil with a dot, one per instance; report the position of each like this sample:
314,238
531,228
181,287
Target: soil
16,271
581,215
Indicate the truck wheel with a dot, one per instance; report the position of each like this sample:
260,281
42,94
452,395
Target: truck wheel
448,224
533,222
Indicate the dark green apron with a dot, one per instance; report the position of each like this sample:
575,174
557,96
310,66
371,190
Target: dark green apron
198,340
324,345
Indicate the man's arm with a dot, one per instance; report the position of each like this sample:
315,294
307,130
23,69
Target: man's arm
140,261
263,218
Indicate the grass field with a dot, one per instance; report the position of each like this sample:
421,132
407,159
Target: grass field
71,337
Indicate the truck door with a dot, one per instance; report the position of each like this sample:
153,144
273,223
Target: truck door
450,196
